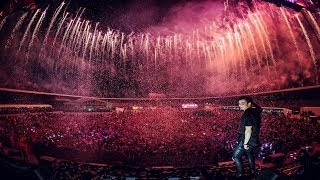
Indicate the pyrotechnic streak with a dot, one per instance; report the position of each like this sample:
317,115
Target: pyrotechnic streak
232,54
291,34
167,43
155,56
170,44
209,54
65,35
71,39
53,19
223,54
59,27
175,44
254,44
214,48
271,9
146,47
180,40
3,22
123,53
197,34
240,62
205,31
77,38
86,45
240,49
82,37
93,40
158,42
198,49
55,15
193,34
158,48
190,55
36,29
91,47
260,35
16,27
186,53
213,45
265,33
316,25
113,44
110,43
132,48
81,12
109,40
226,5
76,31
28,29
141,39
313,56
121,47
246,46
203,52
68,38
97,44
103,47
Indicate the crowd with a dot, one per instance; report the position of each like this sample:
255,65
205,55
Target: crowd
153,137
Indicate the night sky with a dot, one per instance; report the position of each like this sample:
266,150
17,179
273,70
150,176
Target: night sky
125,15
128,15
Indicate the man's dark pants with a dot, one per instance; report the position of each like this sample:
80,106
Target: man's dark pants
238,152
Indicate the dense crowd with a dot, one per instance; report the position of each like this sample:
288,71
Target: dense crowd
152,137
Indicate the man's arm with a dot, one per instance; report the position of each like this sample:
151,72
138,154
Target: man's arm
247,135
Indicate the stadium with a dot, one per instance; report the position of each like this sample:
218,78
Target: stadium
149,89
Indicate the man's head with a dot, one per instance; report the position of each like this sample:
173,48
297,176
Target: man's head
245,102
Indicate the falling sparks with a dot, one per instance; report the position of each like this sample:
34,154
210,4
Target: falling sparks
312,53
291,34
17,26
36,29
3,22
52,21
28,29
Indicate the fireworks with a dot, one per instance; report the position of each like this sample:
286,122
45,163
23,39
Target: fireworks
246,45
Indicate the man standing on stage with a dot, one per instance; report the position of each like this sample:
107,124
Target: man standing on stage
248,139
